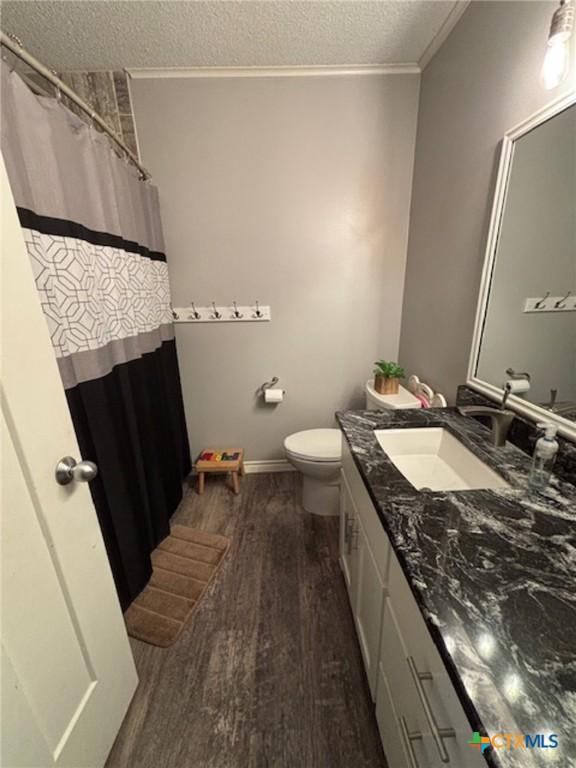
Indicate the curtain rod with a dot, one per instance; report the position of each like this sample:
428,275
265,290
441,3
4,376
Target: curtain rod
18,50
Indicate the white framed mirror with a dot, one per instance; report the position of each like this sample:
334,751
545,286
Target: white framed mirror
526,315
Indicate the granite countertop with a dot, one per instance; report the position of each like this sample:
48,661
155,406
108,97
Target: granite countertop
494,573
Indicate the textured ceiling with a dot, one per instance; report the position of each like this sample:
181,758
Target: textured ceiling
107,34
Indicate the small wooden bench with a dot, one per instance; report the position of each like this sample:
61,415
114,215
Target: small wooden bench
230,461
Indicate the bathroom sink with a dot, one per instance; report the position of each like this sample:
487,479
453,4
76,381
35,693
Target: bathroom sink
432,458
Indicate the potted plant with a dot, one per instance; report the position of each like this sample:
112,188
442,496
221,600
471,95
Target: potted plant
386,377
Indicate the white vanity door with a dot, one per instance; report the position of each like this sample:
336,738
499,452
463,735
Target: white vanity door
348,553
389,724
421,688
369,603
364,551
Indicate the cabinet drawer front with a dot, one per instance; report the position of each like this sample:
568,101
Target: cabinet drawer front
366,512
394,665
433,695
388,725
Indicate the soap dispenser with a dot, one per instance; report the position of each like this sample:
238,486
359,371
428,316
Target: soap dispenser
544,456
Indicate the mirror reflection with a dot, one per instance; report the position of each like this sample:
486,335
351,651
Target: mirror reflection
530,322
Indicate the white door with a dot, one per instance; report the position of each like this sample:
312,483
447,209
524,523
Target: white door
67,670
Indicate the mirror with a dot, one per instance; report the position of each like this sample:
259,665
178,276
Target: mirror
527,310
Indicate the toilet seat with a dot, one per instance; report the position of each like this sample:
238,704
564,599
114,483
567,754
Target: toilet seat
316,445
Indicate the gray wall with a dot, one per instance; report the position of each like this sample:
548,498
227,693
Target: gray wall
482,82
294,191
536,254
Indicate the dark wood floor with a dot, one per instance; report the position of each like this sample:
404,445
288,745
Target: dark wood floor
268,673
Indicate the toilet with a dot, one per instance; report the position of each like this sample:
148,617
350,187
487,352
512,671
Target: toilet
317,454
378,402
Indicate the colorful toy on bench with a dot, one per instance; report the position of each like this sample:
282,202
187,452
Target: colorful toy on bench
230,460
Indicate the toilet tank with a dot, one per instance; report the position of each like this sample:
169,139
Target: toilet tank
377,402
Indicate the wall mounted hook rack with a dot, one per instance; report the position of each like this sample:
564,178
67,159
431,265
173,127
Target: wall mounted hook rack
220,313
547,303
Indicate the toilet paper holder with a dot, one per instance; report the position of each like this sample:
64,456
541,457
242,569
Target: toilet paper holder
267,385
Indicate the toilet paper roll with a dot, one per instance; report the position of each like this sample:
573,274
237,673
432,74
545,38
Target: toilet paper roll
273,395
517,386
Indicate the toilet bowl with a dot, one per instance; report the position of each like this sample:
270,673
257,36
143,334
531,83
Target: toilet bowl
316,453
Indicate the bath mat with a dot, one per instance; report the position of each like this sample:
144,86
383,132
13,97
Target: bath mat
183,566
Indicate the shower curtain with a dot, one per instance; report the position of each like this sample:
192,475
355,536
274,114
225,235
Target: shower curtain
94,236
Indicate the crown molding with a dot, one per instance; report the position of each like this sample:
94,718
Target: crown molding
315,71
440,37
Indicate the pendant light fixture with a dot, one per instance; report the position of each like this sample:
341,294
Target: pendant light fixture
557,58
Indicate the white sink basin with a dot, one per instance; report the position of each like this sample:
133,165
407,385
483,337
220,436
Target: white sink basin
433,458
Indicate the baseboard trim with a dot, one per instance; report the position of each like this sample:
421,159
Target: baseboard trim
268,465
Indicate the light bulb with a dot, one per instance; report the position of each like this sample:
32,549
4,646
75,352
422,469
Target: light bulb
556,60
555,65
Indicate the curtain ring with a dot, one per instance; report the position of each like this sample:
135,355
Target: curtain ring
15,39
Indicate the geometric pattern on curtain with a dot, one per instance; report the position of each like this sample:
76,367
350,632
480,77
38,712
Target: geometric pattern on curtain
96,289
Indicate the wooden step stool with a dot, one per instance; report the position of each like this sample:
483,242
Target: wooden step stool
218,460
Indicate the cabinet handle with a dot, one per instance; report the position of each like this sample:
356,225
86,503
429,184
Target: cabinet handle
438,734
346,527
355,535
408,738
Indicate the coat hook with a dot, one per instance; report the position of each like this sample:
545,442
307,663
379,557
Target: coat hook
237,313
175,315
541,301
217,314
195,314
258,312
562,302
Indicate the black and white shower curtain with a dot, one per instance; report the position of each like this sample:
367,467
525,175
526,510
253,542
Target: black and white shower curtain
94,236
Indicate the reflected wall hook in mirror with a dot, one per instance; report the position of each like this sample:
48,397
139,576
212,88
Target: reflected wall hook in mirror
237,313
258,313
217,314
195,314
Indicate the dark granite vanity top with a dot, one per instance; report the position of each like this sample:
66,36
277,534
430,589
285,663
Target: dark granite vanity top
494,573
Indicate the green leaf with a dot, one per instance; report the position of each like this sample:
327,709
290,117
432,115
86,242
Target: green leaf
389,369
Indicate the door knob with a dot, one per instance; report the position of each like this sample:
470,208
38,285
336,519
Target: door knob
68,469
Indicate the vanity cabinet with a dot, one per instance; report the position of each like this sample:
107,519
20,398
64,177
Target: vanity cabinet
364,572
421,720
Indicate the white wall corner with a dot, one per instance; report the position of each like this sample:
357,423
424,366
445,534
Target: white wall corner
441,36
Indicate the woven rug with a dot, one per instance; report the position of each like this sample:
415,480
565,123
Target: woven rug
184,564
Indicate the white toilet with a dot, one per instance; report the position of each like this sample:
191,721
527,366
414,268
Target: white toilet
377,402
317,454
